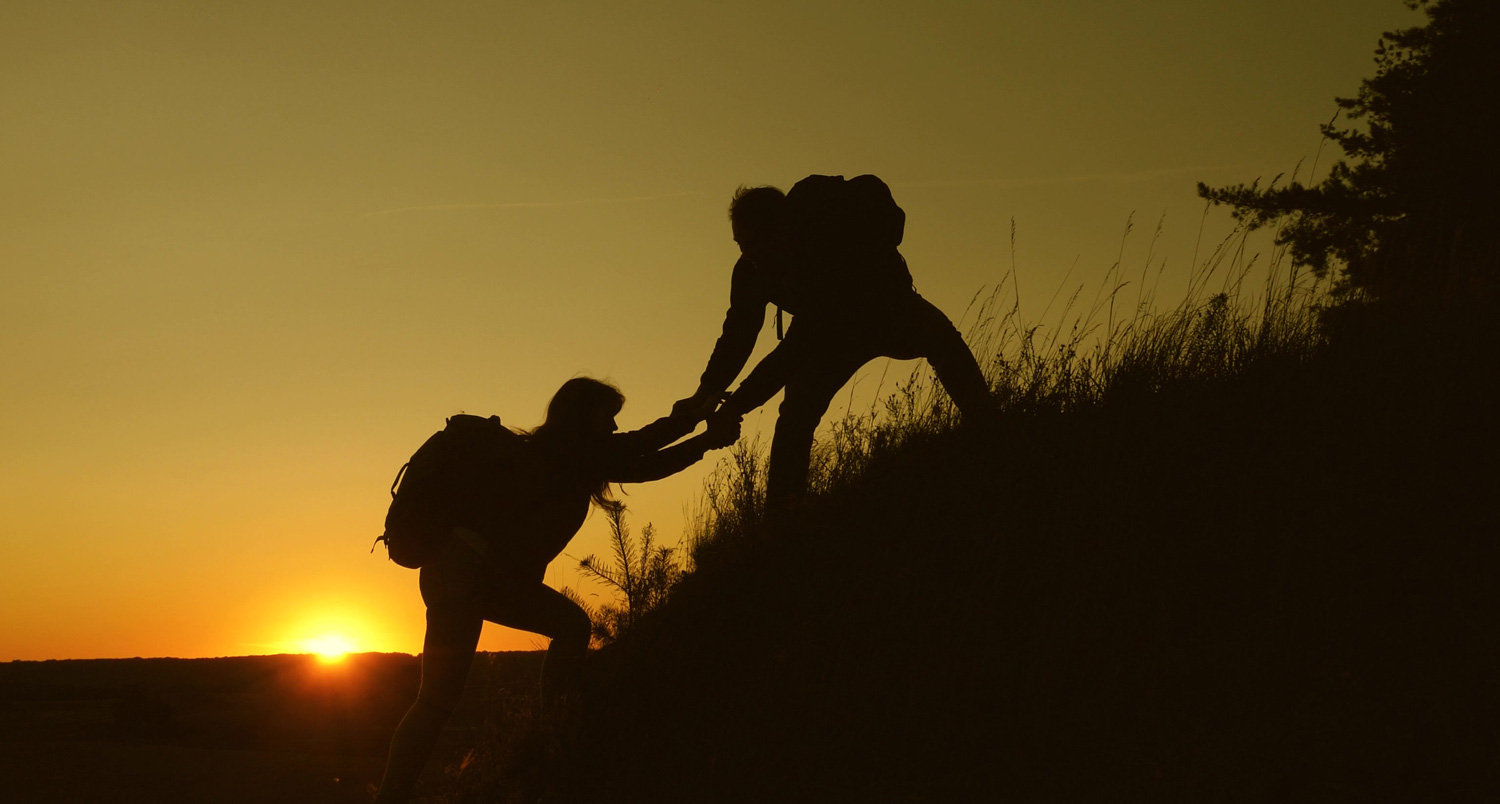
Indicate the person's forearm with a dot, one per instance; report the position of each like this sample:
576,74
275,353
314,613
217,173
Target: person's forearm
736,342
653,436
768,377
663,463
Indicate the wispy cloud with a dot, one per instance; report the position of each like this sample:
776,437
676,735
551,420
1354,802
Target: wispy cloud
1082,178
530,204
1031,181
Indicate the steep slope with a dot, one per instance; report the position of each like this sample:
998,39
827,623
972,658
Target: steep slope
1278,587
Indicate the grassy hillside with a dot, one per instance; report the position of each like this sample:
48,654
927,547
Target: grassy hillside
1234,551
1256,565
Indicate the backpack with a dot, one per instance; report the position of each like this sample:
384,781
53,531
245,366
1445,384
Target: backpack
458,477
850,231
857,213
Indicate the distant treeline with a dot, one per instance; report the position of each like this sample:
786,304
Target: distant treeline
283,702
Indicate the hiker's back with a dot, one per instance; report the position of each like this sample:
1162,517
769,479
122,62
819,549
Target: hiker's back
848,234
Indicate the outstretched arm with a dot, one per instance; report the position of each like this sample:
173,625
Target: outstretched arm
742,323
657,464
772,372
653,436
768,377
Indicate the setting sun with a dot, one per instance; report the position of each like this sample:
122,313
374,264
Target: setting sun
330,647
327,628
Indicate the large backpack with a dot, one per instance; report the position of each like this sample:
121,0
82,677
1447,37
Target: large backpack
849,231
458,477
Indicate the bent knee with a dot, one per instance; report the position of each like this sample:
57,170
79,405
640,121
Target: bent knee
576,627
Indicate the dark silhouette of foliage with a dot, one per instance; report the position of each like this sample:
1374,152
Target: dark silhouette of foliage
1199,550
1122,590
1413,210
643,573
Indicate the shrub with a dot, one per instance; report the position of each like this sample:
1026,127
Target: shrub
642,574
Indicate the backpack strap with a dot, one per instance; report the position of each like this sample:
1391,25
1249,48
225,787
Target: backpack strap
399,475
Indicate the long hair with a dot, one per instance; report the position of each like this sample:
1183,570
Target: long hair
577,403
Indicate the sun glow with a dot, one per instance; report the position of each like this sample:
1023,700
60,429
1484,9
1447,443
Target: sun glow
329,629
330,647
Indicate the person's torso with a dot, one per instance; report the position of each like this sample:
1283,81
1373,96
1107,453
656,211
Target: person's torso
843,285
543,510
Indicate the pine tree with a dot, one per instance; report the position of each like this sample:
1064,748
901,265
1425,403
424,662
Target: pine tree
1414,209
643,574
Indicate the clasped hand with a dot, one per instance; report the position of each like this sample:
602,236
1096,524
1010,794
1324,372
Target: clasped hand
723,427
694,407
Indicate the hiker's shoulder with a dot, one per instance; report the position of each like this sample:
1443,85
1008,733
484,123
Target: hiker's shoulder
749,280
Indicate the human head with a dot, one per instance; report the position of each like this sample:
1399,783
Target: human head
758,218
583,406
582,413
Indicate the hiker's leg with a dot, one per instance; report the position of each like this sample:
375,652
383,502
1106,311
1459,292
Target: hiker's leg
950,358
808,393
542,610
447,651
537,608
451,583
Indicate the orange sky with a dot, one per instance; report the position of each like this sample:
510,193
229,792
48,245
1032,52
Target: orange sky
253,254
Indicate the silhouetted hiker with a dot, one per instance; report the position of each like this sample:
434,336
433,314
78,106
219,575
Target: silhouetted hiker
826,252
569,461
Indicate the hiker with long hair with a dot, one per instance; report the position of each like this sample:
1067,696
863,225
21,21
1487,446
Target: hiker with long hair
568,462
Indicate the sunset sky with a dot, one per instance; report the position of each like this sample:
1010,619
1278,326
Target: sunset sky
254,253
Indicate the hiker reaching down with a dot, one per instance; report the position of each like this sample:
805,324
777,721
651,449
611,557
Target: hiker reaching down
494,570
826,252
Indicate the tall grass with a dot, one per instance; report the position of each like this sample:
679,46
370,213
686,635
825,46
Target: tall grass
1232,543
1117,347
1260,546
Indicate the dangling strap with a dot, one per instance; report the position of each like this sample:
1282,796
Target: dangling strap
397,481
778,323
